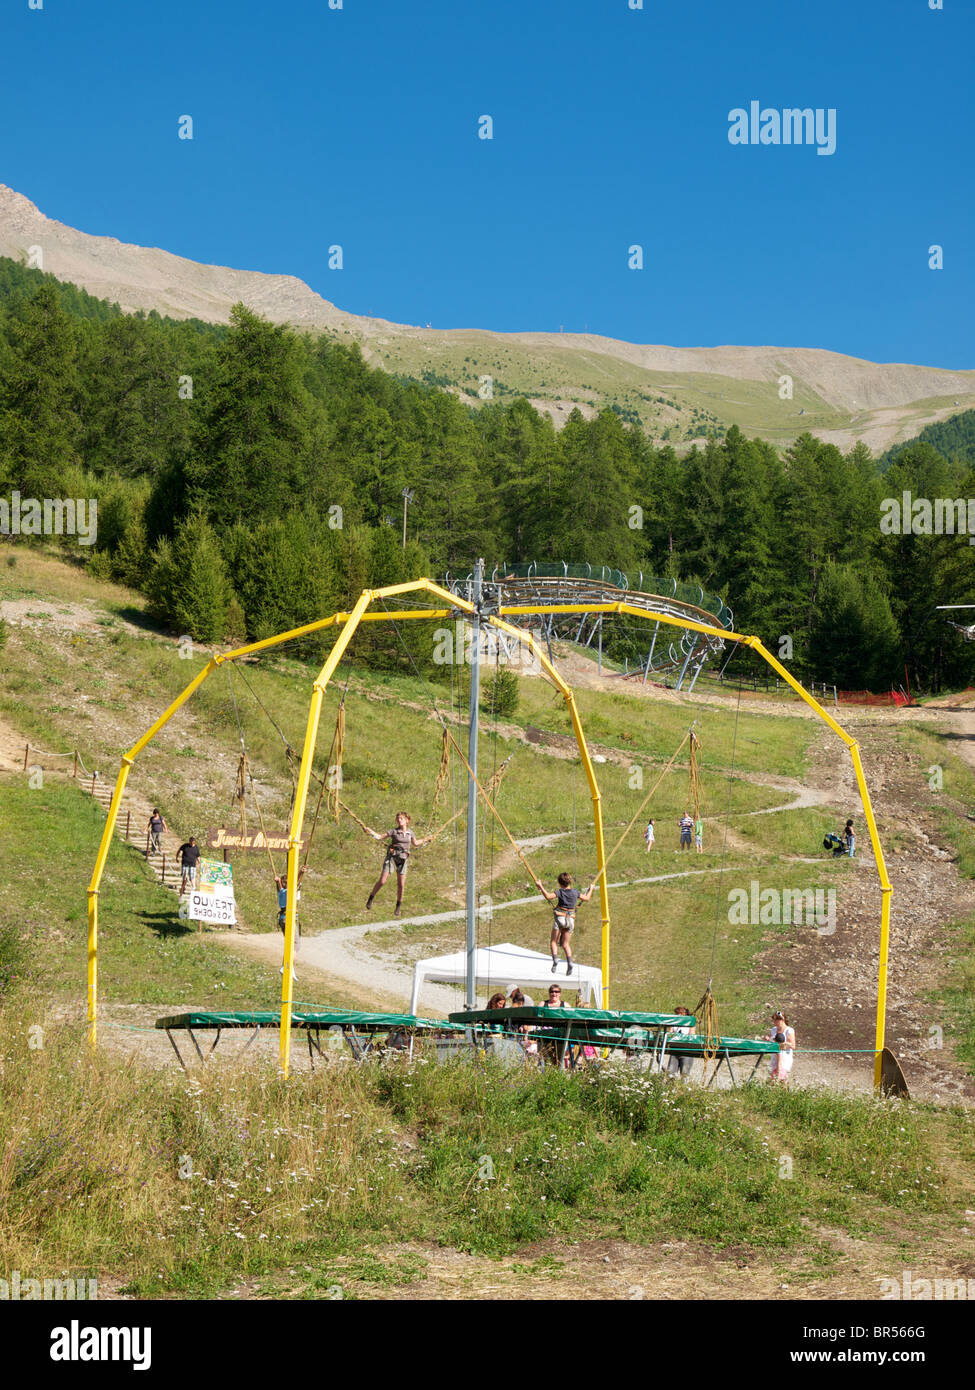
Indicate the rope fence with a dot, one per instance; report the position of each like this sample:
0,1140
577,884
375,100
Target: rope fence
43,753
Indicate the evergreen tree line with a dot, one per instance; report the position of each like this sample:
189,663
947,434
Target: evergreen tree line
250,479
953,438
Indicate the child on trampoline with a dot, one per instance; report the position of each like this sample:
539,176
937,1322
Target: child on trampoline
566,899
401,841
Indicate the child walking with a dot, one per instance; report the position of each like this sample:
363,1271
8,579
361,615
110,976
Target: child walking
649,835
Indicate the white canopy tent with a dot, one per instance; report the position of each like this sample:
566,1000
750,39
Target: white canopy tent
501,967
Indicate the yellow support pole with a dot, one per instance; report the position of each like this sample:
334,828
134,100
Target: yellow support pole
96,877
298,814
404,614
886,888
105,844
597,807
168,713
280,637
886,891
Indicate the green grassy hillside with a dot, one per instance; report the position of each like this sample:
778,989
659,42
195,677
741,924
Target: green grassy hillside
98,690
347,1182
672,406
371,1181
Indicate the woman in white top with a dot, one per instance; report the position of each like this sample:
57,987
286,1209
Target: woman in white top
785,1036
648,835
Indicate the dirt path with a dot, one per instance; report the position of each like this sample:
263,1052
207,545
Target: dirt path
963,722
828,983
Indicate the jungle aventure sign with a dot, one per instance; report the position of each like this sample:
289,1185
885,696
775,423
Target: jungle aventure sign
222,838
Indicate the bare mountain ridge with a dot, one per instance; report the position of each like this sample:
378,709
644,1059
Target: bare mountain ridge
835,396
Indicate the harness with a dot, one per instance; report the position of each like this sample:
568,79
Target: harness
565,917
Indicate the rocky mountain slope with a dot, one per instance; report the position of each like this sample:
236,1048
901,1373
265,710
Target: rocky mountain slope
679,394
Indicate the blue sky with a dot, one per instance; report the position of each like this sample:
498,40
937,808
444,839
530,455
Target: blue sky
359,126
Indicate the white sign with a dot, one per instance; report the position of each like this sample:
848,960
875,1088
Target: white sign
213,899
213,903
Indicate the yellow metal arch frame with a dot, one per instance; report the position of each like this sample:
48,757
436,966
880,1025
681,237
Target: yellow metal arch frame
349,623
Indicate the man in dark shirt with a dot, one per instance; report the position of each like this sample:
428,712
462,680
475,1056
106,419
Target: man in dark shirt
189,857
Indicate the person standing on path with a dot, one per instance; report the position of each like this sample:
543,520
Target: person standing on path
155,827
281,884
849,838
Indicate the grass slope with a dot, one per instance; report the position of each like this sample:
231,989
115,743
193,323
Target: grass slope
100,688
172,1185
347,1181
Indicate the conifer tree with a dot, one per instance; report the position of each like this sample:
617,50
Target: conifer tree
188,585
854,642
262,434
39,425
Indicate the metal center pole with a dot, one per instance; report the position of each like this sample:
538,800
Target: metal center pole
471,978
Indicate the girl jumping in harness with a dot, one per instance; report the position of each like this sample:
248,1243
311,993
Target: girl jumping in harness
563,925
401,841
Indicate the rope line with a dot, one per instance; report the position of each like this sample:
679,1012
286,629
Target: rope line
724,844
639,809
459,750
245,775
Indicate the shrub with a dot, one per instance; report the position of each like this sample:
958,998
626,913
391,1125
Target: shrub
499,694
